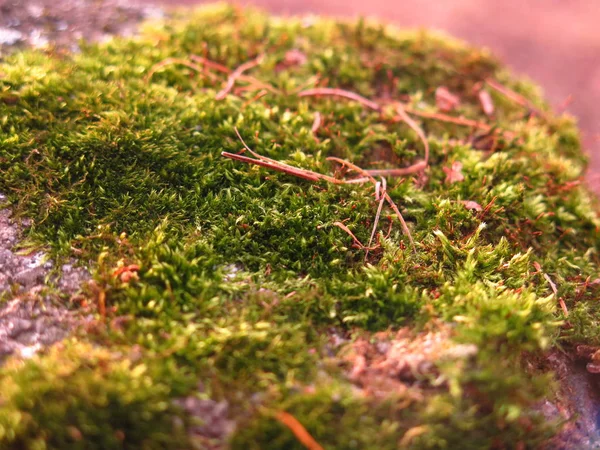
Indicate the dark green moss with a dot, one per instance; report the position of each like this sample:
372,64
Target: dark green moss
243,275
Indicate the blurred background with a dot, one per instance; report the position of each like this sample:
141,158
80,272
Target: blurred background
554,42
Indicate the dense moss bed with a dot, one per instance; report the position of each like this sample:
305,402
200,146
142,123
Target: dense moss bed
247,291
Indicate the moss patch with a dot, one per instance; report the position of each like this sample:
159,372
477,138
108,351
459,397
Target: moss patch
235,275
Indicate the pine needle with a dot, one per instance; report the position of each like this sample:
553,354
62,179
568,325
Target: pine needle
380,195
298,429
183,62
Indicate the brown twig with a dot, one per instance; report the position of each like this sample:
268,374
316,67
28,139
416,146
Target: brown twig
399,172
416,128
316,92
236,74
298,429
307,175
561,302
314,176
277,165
255,82
486,102
102,303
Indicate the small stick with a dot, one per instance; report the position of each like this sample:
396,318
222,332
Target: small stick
235,75
183,62
282,167
298,429
487,104
102,303
241,77
341,93
311,176
555,291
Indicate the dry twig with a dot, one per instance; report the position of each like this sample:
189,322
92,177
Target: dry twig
449,119
562,303
279,166
316,92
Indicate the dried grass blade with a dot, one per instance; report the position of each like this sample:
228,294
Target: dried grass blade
399,172
210,64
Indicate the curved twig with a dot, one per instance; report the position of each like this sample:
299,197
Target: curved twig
316,92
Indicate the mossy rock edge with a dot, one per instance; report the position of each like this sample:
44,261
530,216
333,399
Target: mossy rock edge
228,298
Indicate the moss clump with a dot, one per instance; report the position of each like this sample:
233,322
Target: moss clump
238,276
79,396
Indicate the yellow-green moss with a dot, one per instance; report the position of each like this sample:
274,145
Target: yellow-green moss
242,273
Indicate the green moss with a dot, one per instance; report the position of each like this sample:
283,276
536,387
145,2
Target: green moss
243,275
79,396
